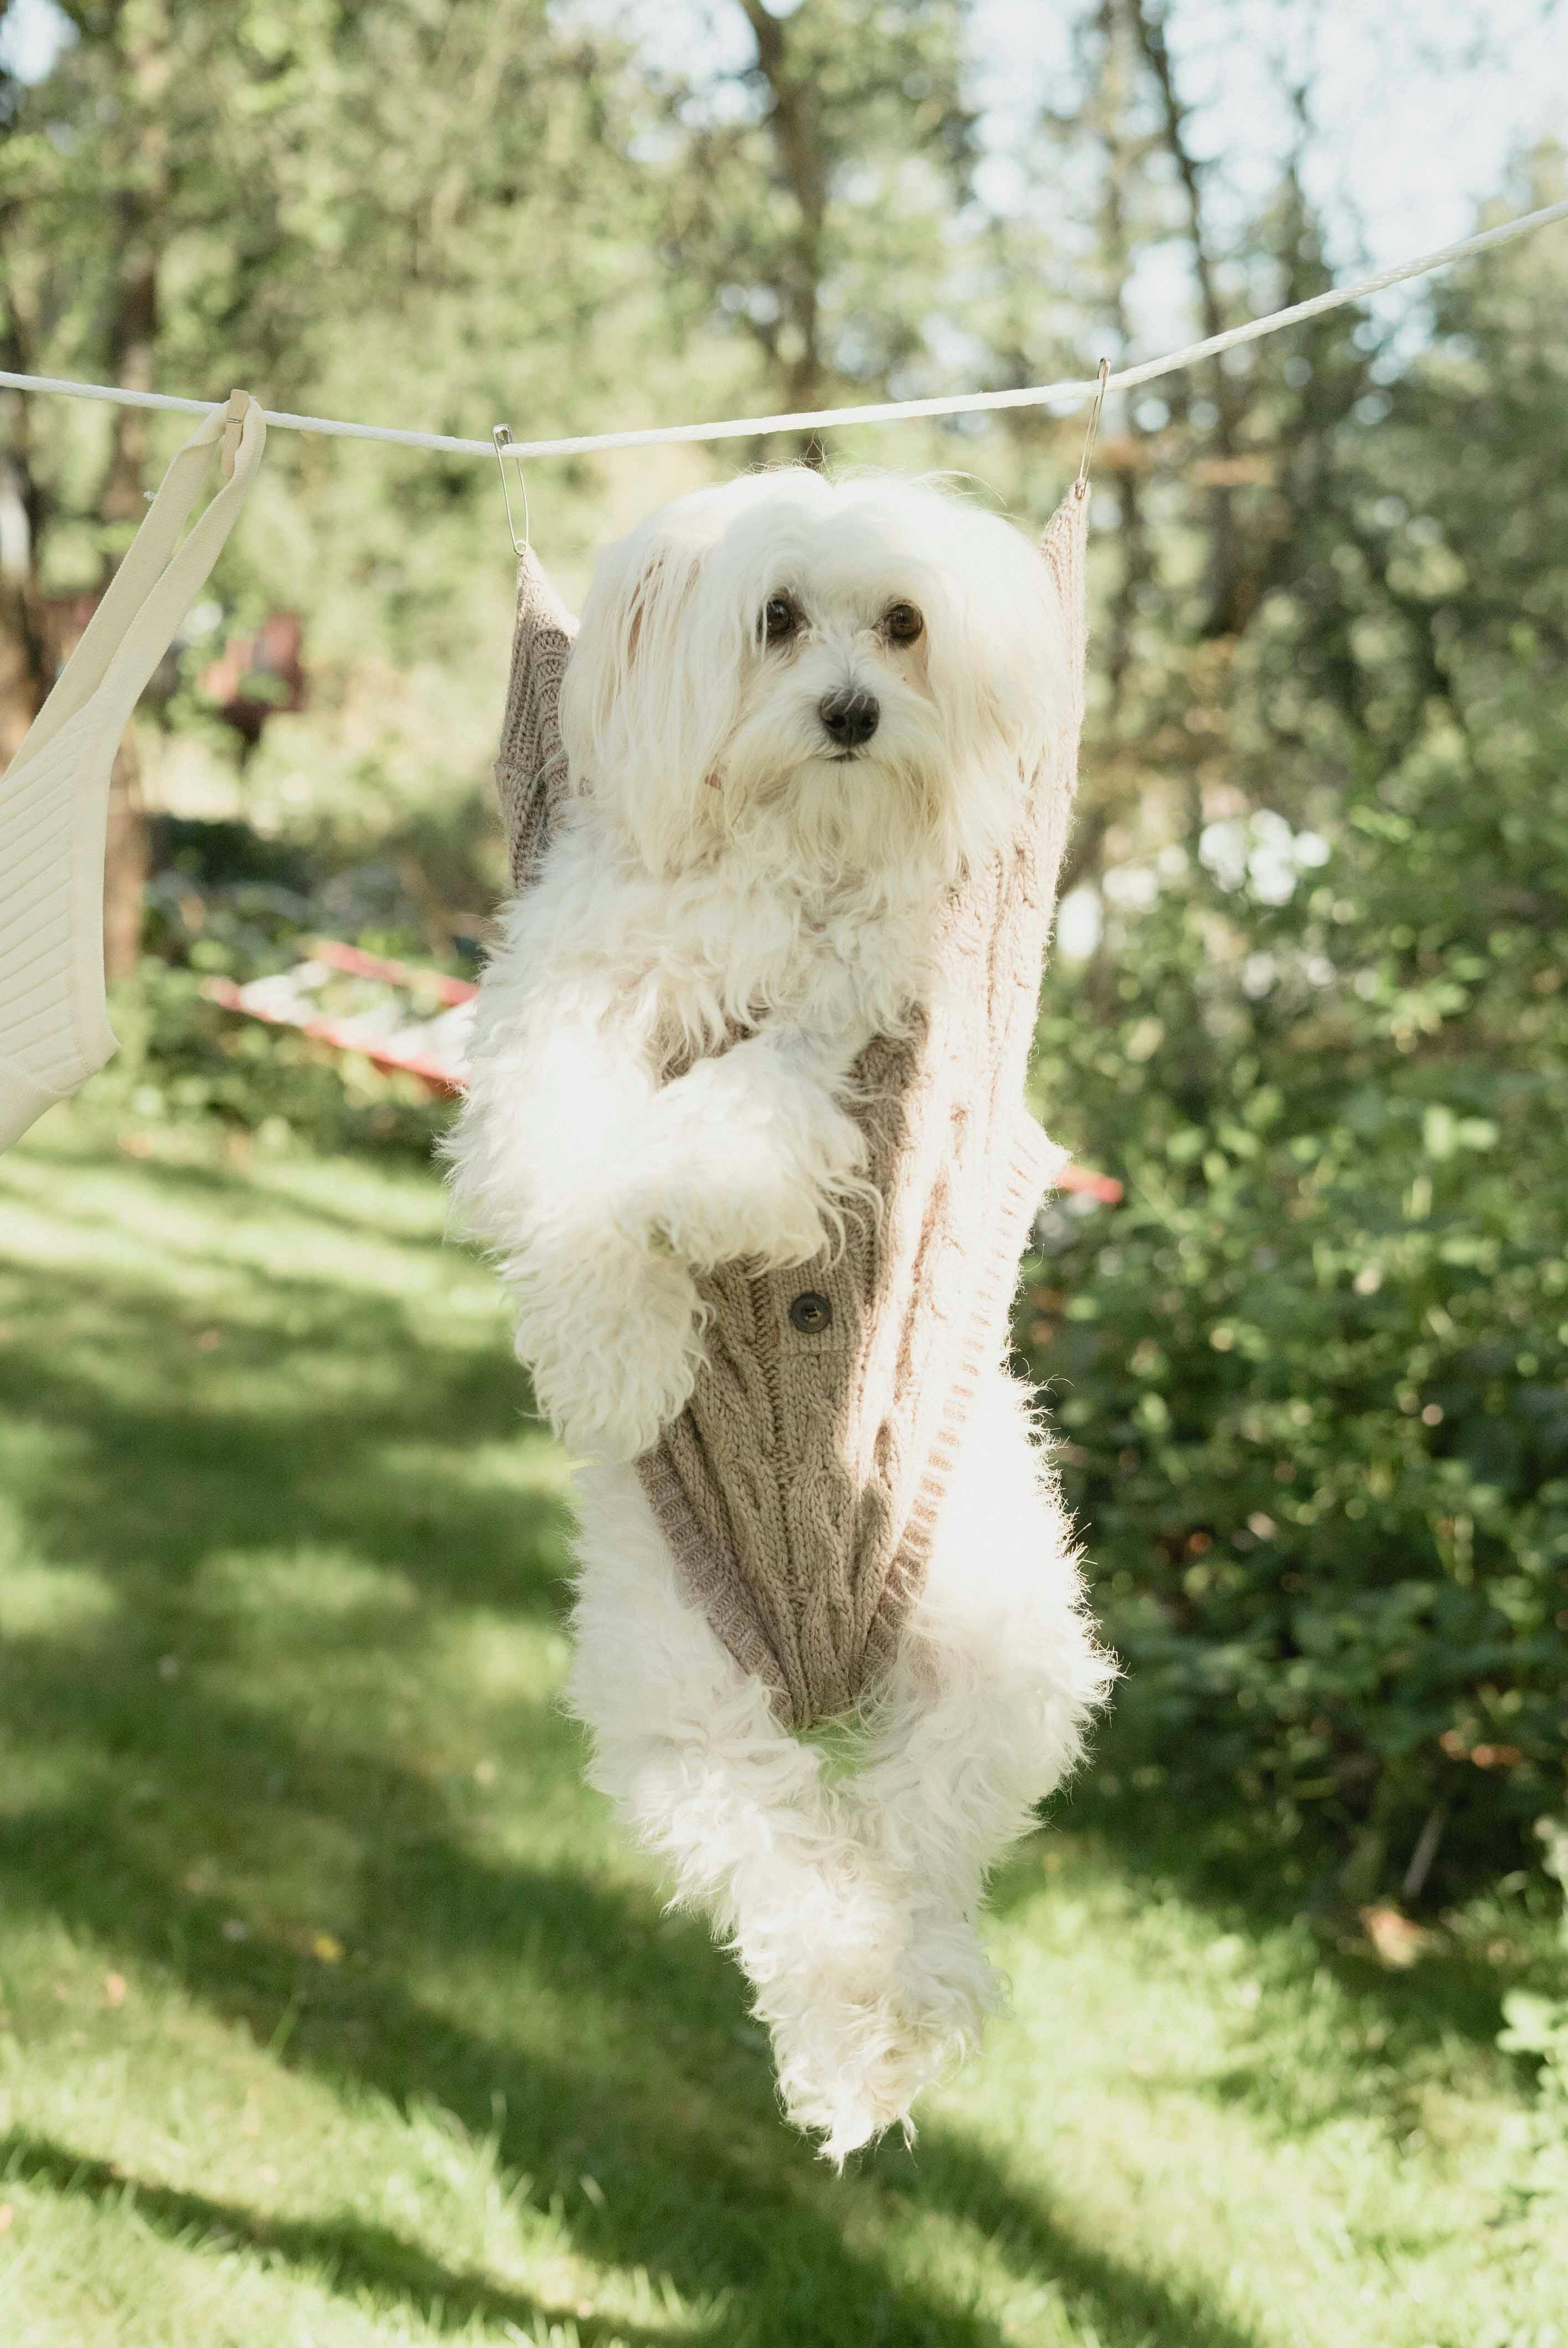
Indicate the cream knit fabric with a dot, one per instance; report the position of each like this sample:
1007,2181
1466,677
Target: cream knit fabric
799,1488
54,796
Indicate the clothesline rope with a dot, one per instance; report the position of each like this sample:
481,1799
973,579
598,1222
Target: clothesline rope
1065,396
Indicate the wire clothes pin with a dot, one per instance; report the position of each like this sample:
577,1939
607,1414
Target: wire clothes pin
1064,395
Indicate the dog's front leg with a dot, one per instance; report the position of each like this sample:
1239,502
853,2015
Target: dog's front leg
751,1154
607,1318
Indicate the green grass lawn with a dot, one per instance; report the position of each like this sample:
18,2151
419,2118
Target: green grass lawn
333,2009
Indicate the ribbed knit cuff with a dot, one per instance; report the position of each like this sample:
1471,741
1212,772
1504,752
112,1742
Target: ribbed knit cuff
1032,1166
21,1102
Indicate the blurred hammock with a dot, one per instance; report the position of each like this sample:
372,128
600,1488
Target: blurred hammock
396,1015
401,1017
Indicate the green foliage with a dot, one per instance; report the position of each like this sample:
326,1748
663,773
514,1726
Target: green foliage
227,904
1538,2027
812,188
335,2007
184,1061
1315,1373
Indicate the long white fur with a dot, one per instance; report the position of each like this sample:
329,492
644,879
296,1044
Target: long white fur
721,865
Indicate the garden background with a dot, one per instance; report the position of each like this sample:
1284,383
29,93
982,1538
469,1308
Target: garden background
330,2008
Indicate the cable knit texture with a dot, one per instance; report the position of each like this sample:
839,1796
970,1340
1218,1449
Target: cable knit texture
530,770
799,1488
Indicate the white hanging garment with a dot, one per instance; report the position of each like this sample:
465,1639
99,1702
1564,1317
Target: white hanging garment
54,796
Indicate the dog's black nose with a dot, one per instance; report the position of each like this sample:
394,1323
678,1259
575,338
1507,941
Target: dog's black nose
850,716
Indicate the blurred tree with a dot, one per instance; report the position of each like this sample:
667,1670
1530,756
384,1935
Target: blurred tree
1315,1375
24,659
811,193
317,197
1321,1030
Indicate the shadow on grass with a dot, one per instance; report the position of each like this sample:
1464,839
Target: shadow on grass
1231,1866
695,2179
650,2078
349,2253
166,1470
225,1187
591,2035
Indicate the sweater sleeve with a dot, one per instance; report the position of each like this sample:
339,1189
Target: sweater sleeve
531,770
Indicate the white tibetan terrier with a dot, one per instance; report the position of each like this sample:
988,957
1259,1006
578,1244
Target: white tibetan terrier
796,713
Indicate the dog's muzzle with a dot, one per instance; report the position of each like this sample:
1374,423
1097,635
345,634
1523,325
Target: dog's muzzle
850,715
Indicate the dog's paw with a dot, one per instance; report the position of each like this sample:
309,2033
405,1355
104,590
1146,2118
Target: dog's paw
735,1201
848,2096
870,1993
611,1335
853,2057
749,1161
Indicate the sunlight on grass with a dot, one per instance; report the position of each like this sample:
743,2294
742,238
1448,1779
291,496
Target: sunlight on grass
333,2010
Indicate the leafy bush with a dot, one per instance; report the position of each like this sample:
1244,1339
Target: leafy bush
1313,1375
183,1060
1538,2027
228,904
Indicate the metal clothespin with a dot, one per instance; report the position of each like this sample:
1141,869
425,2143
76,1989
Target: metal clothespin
501,434
233,426
1080,487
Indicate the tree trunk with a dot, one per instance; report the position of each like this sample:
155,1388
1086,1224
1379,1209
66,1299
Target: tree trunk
133,336
126,860
26,666
24,673
796,127
1228,612
1112,114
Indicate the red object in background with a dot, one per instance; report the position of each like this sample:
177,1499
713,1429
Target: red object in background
417,1047
1103,1187
388,1036
259,676
359,964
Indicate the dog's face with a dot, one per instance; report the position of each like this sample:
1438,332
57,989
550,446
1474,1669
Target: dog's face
833,678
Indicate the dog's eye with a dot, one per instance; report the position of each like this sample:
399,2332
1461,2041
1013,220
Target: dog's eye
903,623
780,619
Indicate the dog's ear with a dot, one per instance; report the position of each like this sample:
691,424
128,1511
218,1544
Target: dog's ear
996,654
652,691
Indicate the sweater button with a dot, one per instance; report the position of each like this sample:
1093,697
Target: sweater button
810,1314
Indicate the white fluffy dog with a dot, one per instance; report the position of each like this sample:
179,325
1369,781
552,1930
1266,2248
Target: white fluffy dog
796,712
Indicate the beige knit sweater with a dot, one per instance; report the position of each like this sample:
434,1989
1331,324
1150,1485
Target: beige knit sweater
800,1487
